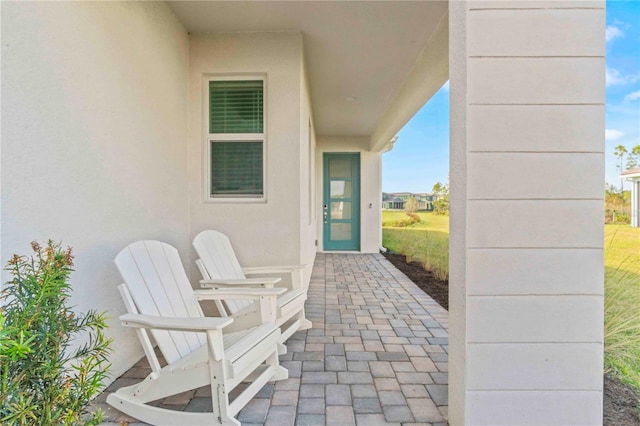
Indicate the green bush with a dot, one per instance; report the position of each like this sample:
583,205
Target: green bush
410,220
52,361
623,218
441,206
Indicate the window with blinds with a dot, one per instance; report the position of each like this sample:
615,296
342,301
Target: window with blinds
236,138
235,106
236,169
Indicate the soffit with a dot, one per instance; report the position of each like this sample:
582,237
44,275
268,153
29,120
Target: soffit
353,49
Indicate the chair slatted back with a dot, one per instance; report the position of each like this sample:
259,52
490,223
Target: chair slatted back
158,284
217,255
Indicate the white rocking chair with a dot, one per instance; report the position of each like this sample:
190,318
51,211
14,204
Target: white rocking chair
159,298
220,269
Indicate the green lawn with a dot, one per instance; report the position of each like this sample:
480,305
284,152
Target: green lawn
428,243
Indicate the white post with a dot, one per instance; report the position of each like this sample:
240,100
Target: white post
527,172
635,202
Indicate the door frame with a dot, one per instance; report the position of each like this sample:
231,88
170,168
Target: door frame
354,244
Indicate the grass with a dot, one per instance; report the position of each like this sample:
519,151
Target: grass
428,243
622,303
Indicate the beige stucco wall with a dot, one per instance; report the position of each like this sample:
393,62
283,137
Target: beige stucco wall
370,188
526,303
94,124
263,233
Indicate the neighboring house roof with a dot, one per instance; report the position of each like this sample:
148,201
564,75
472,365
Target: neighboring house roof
631,172
393,200
388,195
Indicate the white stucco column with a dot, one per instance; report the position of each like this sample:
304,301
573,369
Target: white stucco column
527,83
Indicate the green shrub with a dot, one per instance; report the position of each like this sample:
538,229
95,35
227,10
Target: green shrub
410,220
441,206
411,206
52,361
613,216
623,218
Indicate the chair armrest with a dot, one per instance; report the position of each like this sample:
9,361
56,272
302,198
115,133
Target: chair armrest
273,269
237,293
266,298
247,282
296,272
174,323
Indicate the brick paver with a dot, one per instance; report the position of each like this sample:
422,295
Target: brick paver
377,354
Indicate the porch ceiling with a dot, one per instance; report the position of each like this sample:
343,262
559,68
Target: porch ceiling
353,49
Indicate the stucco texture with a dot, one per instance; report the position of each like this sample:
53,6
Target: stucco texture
94,123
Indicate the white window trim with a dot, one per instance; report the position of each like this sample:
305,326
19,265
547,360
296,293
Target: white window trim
232,137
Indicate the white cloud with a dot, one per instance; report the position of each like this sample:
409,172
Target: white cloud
632,96
445,86
615,78
612,134
613,33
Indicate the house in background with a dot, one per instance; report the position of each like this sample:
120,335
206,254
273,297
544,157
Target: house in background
113,130
633,176
396,200
391,202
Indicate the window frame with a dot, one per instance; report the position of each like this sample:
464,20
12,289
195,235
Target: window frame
210,138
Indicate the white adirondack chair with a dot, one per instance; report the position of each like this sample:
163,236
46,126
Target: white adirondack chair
220,269
159,298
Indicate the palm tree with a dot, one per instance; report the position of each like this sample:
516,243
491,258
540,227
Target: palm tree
633,159
619,152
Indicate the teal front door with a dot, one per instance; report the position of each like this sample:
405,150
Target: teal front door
341,202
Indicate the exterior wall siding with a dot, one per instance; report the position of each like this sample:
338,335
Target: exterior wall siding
534,143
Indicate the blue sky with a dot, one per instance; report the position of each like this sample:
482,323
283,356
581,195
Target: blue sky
420,157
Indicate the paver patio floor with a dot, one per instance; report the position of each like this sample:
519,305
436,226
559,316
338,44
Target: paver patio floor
377,354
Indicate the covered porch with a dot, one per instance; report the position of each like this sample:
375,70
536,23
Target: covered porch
106,140
377,354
